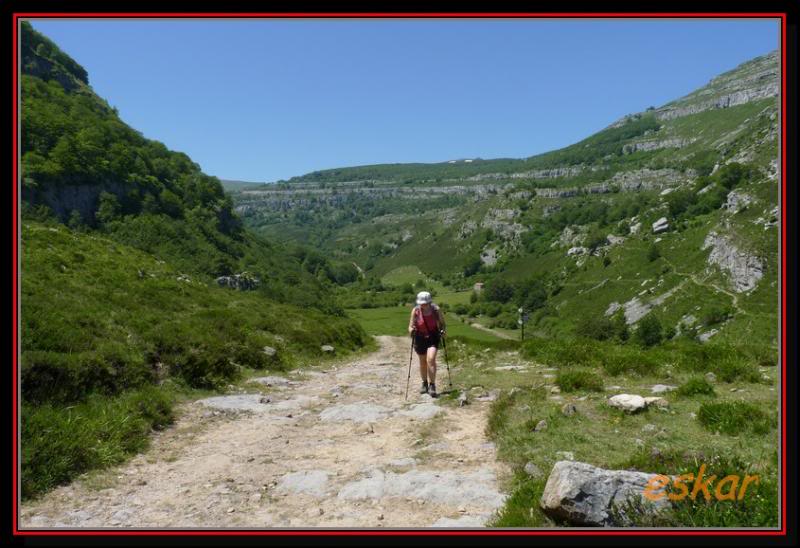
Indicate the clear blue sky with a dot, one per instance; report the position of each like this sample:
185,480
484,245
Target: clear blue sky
261,100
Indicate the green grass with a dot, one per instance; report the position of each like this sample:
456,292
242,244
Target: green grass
695,386
574,380
102,322
734,418
594,432
60,442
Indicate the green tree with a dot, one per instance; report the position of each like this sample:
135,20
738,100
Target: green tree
649,332
108,208
498,290
653,253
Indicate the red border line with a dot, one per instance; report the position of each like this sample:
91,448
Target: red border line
15,275
783,271
416,15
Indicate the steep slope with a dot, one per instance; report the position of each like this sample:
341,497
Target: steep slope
579,219
120,311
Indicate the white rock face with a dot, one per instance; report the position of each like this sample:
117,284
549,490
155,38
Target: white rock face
744,270
630,403
489,256
574,251
737,201
661,225
585,495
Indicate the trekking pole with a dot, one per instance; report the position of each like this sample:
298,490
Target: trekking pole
447,363
410,357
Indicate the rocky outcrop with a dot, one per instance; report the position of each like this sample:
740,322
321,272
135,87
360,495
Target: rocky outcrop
674,142
756,79
63,199
661,225
737,201
242,282
585,495
744,269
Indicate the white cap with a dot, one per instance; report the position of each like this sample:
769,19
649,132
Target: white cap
423,297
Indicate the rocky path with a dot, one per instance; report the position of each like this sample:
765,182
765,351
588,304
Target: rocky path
329,448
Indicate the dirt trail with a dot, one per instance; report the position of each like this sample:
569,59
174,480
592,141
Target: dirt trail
332,448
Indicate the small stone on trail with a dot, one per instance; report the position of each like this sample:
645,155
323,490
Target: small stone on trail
540,426
555,390
231,510
569,409
264,399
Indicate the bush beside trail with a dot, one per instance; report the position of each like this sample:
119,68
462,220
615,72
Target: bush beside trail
105,325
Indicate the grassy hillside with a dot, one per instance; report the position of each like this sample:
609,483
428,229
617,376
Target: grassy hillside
110,331
575,223
122,240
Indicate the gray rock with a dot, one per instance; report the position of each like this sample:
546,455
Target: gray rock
744,269
269,351
630,403
422,411
271,381
492,395
356,412
311,482
236,403
442,487
565,455
662,388
540,426
661,225
656,402
462,399
711,377
327,348
532,470
242,282
568,409
585,495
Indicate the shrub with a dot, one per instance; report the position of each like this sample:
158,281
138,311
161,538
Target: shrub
653,253
759,508
649,332
60,443
694,386
570,381
717,315
734,418
599,328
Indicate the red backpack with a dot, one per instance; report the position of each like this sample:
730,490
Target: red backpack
423,324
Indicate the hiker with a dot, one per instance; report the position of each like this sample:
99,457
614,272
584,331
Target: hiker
426,326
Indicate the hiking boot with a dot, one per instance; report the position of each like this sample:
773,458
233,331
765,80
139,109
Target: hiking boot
424,388
432,391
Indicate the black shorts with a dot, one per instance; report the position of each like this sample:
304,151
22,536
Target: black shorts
422,343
